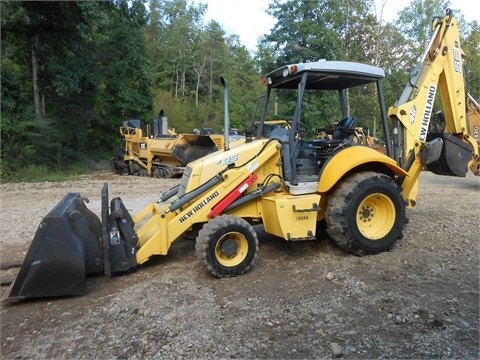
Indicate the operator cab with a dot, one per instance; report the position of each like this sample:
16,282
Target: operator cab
296,89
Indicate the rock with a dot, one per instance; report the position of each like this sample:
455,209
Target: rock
337,350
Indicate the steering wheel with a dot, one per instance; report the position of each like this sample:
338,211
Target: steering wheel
302,127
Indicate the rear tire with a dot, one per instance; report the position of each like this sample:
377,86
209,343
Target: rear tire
227,245
366,214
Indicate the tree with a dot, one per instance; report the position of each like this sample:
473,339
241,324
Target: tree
189,59
34,25
471,47
59,56
312,30
415,23
123,61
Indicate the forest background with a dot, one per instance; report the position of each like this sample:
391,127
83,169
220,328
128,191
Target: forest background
73,71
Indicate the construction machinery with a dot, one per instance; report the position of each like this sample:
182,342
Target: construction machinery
293,187
160,152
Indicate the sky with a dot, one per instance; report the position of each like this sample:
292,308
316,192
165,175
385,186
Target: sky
248,20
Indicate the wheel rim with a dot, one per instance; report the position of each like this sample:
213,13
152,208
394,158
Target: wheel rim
375,216
231,249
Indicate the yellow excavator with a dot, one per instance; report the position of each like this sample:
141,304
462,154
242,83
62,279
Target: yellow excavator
292,186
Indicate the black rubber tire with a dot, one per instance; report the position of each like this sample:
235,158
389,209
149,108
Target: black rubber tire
227,230
354,202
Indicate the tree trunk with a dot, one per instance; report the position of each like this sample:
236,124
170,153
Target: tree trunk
199,71
196,89
210,85
38,96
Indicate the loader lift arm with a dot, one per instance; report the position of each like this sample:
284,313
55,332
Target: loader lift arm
162,224
291,186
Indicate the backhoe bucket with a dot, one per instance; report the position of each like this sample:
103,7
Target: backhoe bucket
454,157
66,247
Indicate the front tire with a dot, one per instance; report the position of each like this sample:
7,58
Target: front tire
227,245
366,214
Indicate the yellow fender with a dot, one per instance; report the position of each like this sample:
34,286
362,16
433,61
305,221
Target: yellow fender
350,158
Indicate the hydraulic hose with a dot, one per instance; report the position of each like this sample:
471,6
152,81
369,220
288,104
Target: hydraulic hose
193,194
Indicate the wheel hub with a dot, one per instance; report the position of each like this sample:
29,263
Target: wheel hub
229,247
366,213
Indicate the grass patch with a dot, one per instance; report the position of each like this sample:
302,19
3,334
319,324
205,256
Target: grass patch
39,173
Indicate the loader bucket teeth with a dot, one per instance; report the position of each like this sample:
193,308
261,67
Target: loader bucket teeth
66,248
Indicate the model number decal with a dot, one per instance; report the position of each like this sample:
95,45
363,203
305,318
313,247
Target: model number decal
427,113
413,113
302,217
456,58
476,132
228,160
251,167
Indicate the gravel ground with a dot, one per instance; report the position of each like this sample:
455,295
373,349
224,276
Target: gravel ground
302,300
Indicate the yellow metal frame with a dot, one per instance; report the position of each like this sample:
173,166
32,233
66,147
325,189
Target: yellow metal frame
350,158
157,227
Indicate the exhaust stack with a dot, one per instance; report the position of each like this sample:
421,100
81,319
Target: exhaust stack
226,122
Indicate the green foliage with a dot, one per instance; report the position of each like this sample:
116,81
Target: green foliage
309,30
93,73
124,87
471,46
189,58
101,63
34,142
415,23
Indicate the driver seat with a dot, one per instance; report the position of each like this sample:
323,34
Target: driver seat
324,148
342,131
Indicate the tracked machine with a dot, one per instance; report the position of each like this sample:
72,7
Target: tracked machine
283,182
160,152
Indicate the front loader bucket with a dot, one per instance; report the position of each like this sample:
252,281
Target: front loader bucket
66,247
193,147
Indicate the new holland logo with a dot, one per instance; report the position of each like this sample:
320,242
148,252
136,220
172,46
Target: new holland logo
427,113
198,207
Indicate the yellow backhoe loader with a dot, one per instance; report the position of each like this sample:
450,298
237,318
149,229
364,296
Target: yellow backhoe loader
291,186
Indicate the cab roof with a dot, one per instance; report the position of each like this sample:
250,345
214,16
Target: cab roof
323,74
